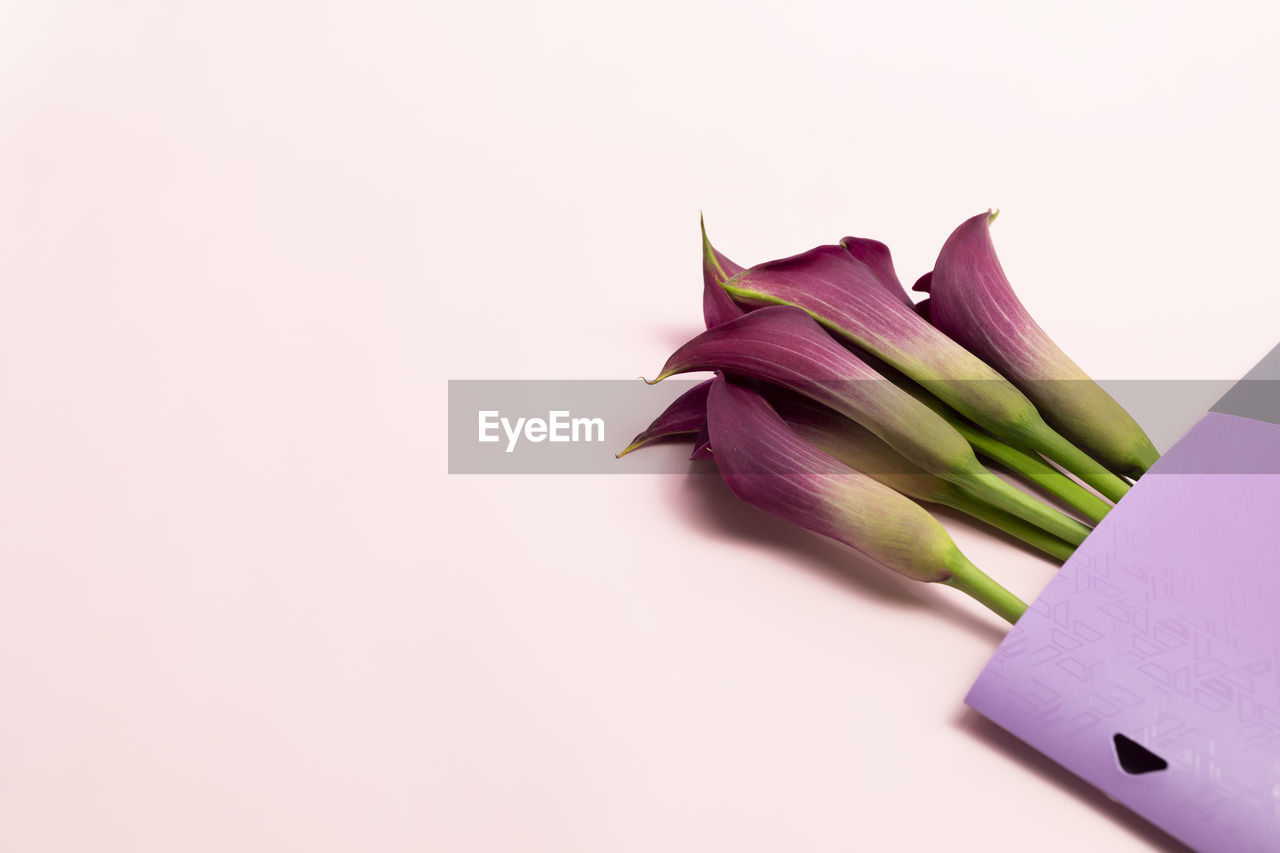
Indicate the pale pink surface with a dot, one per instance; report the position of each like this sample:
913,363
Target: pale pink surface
242,249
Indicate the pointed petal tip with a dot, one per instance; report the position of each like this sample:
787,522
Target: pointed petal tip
706,241
717,306
636,443
666,373
639,443
923,283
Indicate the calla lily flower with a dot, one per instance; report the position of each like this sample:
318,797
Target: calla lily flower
863,451
771,468
971,300
784,346
845,295
687,415
717,306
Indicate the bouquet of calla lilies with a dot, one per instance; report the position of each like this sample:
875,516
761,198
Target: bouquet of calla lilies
840,405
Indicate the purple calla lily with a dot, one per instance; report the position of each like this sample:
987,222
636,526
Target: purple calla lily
771,468
971,300
863,451
845,295
784,346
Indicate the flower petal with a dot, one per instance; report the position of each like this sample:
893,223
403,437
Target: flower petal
687,415
862,451
923,309
771,468
923,283
876,256
701,444
856,446
972,301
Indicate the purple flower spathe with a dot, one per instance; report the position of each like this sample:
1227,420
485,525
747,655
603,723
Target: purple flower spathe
972,301
875,255
771,468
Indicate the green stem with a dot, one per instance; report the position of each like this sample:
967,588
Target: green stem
1046,476
972,581
986,486
1078,462
1036,471
1011,524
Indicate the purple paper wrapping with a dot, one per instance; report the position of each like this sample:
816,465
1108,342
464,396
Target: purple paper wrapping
1164,629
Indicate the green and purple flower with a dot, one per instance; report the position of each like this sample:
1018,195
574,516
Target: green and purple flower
771,468
972,302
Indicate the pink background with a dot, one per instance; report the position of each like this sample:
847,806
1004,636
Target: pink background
244,245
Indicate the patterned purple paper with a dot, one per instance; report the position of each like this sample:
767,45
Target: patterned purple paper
1164,628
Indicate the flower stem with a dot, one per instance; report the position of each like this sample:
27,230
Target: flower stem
985,486
1028,466
1036,471
1012,525
1078,462
972,581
